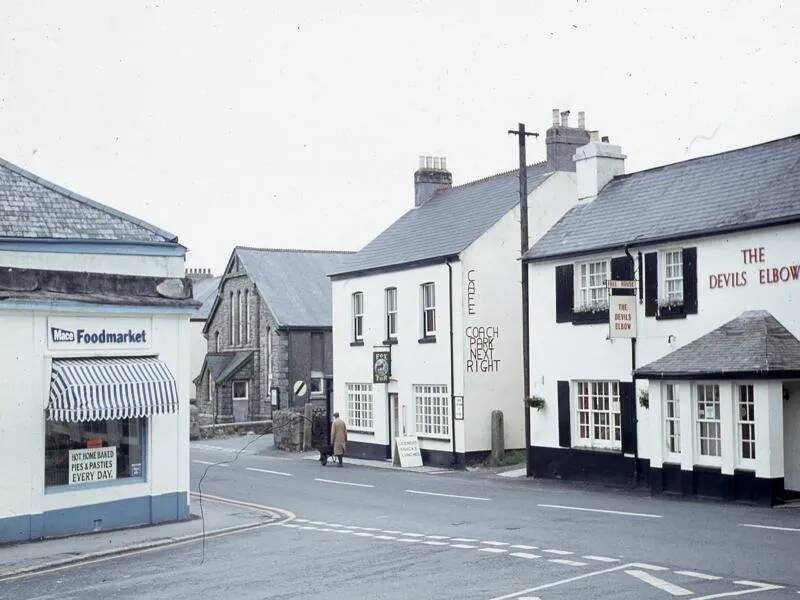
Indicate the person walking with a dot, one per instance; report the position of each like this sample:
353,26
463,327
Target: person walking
338,438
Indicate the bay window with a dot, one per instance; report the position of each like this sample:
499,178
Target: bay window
672,419
599,422
432,404
746,425
359,406
708,421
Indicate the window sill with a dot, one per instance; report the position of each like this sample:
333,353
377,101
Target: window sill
598,449
361,431
357,343
59,489
670,312
433,438
428,339
392,341
590,317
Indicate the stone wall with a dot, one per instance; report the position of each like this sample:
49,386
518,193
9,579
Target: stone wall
288,426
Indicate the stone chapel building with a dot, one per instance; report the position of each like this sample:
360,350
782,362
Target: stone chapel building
269,327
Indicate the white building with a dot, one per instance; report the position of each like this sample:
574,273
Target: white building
706,400
439,292
94,418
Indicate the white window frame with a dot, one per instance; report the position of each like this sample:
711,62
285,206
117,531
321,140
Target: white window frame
432,409
714,443
672,421
246,389
360,407
586,286
745,425
391,313
428,303
667,275
320,378
357,305
596,404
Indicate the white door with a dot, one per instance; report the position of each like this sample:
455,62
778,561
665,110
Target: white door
791,437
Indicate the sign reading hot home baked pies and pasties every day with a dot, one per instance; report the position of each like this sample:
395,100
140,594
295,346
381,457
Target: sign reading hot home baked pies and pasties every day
90,465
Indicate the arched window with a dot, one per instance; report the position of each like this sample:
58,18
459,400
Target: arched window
216,342
247,316
233,318
239,315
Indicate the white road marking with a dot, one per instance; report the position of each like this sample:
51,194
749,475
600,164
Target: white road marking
773,527
448,495
438,537
392,531
366,485
269,472
493,550
465,546
496,543
524,555
566,561
698,575
664,586
559,552
601,510
519,595
414,534
385,537
208,462
434,543
760,587
301,520
600,558
290,525
408,540
463,539
316,523
523,547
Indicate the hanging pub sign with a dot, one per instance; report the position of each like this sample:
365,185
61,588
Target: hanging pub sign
622,317
381,366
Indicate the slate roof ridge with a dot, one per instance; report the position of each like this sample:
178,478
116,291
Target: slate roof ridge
699,158
488,177
299,250
168,236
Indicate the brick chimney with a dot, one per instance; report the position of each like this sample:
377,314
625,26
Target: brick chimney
431,177
597,163
562,140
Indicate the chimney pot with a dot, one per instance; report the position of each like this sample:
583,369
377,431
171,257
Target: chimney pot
431,177
594,136
555,117
604,139
581,120
565,118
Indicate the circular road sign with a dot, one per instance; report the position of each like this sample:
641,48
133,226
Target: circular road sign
300,389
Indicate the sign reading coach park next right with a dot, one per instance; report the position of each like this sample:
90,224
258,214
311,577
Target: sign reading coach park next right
765,275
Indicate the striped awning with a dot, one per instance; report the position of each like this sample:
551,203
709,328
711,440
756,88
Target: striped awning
92,389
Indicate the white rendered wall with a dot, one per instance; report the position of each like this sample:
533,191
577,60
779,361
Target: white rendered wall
22,415
121,264
563,351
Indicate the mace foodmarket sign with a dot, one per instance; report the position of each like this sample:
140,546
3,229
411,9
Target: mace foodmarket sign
64,333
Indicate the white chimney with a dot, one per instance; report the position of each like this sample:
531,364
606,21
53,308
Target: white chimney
596,164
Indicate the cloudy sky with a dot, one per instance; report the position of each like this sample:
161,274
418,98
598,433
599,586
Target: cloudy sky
298,124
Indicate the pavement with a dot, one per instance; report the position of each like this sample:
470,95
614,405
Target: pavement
372,532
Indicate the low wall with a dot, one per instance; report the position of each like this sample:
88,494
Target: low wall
288,427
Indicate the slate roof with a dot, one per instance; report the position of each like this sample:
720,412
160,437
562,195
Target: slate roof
224,365
32,207
752,344
293,283
446,224
757,185
230,369
205,292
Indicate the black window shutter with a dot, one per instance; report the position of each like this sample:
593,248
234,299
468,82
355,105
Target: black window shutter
564,427
651,284
690,281
627,407
622,269
564,294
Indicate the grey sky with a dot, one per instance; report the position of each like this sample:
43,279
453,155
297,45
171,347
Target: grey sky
272,124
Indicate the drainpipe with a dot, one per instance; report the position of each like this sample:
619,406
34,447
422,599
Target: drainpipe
454,459
633,368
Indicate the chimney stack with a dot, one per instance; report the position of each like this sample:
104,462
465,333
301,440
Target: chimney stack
431,176
562,140
196,273
596,164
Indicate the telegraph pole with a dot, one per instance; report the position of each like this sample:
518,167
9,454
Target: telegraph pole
523,227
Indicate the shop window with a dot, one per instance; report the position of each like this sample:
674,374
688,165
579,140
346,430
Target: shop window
428,310
359,406
599,421
591,288
708,421
358,316
433,410
92,452
747,425
672,419
391,313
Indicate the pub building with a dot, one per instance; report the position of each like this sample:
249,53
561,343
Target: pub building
94,315
664,330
